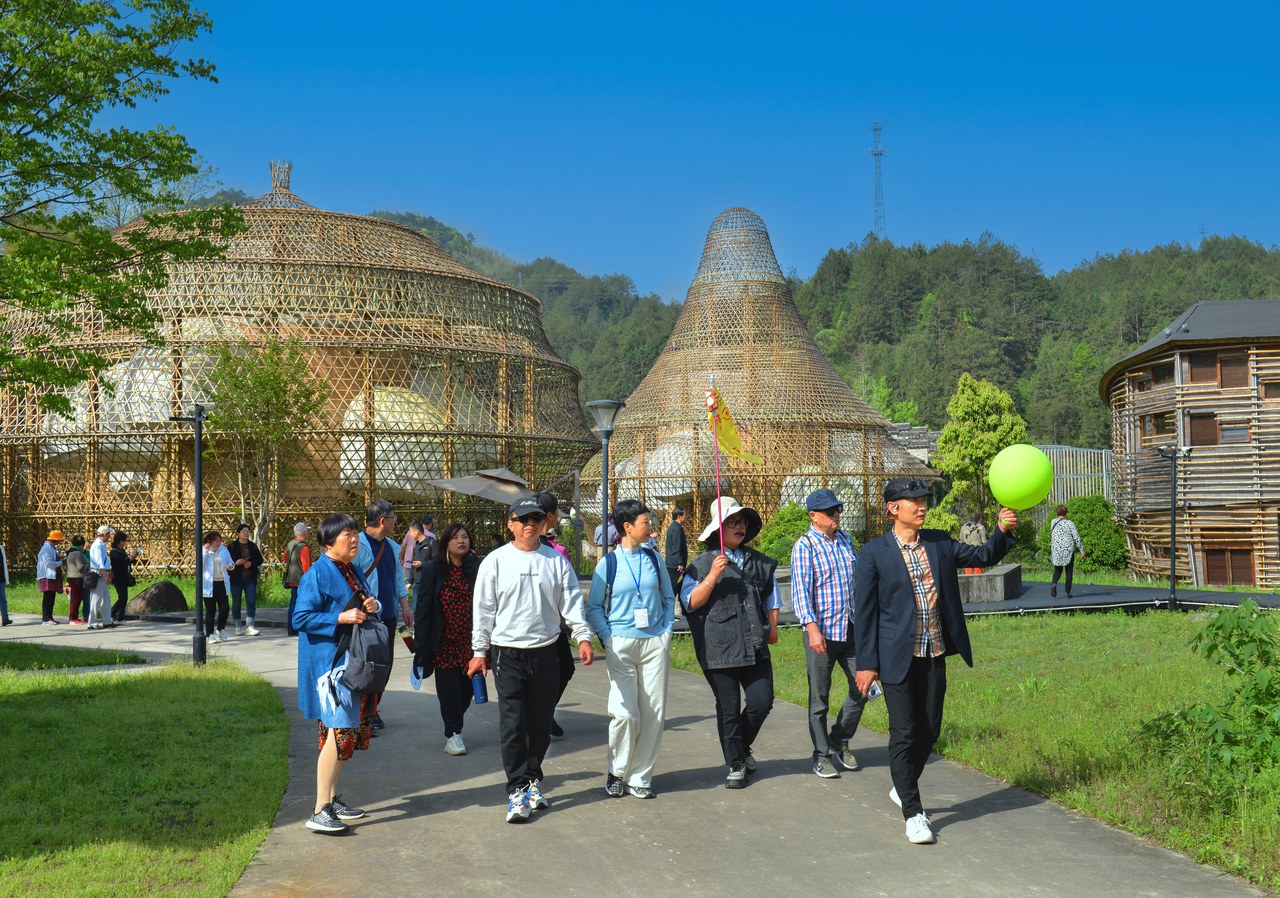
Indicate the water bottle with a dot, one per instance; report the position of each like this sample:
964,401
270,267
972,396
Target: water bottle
479,692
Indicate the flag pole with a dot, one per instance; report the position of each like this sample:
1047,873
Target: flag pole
715,444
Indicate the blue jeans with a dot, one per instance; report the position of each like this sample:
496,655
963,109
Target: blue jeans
248,590
4,604
293,603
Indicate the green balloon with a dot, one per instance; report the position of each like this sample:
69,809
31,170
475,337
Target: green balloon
1020,476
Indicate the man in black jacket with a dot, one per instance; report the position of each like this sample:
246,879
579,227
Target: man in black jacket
908,617
677,549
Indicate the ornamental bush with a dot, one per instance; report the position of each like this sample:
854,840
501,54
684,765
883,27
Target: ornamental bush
1103,538
781,532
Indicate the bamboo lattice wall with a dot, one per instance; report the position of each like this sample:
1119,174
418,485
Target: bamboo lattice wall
1228,490
434,371
740,324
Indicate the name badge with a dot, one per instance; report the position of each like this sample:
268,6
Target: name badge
642,618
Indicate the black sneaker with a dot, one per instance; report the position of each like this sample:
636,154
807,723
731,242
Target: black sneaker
749,762
557,731
325,821
344,811
1053,591
377,722
614,787
737,778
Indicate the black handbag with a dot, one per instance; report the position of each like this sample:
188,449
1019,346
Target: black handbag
91,580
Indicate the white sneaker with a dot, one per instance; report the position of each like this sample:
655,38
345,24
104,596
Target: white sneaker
918,832
454,745
222,636
252,631
893,796
239,630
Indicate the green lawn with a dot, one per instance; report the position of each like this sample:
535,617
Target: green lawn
28,656
1054,704
160,782
24,597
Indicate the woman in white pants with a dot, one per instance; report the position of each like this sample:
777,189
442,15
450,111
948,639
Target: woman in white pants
632,609
100,595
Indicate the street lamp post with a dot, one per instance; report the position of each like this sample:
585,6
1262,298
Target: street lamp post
199,414
605,411
1173,453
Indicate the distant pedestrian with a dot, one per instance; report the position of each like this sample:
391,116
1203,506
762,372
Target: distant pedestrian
77,565
379,564
297,561
523,591
122,559
49,575
606,534
973,533
4,588
247,560
551,508
731,602
444,592
333,593
100,593
633,613
822,563
1064,542
217,568
676,549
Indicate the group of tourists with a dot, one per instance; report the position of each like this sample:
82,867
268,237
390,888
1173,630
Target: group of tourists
86,576
886,617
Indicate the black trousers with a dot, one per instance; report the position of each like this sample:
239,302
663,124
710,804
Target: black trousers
46,604
217,603
453,688
737,721
564,655
122,600
527,681
1069,567
915,721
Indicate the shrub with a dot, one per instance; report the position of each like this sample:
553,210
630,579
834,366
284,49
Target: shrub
937,519
1103,538
781,532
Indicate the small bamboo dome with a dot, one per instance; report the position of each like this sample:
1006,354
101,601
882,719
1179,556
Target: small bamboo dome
740,326
433,371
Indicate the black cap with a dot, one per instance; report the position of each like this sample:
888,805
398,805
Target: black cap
905,488
547,502
527,505
822,500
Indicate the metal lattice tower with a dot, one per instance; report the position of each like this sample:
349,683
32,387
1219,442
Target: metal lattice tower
433,371
741,325
877,153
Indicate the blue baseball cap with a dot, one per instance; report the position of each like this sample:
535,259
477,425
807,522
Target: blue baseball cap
822,500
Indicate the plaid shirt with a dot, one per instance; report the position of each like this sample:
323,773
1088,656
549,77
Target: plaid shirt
928,643
822,582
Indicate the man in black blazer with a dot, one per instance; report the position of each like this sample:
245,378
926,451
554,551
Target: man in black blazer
677,549
907,618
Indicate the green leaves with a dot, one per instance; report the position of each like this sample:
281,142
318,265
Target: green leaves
983,421
62,65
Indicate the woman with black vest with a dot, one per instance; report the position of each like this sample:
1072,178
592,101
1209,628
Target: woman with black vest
731,603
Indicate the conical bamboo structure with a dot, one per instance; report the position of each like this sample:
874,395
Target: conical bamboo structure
740,326
433,371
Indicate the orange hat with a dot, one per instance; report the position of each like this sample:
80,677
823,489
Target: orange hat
55,536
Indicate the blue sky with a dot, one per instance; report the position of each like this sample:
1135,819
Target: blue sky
609,136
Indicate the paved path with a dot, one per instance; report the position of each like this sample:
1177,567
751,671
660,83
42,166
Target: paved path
436,826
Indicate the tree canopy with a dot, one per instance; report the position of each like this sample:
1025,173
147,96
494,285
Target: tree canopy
983,421
64,175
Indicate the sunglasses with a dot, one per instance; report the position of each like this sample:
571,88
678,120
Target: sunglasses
917,485
533,517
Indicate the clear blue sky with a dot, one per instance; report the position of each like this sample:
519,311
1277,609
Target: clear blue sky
610,135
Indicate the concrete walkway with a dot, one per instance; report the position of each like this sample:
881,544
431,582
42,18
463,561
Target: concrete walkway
436,823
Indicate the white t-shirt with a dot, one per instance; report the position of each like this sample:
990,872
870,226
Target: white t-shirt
520,598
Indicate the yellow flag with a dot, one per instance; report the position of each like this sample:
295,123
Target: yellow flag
726,431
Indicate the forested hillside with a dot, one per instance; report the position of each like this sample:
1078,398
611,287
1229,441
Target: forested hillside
901,323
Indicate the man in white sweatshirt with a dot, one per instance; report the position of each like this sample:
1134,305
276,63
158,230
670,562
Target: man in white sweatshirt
522,591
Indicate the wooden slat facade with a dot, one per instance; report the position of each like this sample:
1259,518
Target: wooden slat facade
1222,402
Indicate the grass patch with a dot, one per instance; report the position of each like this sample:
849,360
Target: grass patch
28,656
1054,705
162,782
23,595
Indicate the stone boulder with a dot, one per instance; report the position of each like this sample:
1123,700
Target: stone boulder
158,598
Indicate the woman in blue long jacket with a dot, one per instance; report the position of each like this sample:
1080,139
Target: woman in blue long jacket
345,720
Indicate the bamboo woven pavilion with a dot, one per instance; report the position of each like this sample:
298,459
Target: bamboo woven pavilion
433,371
740,325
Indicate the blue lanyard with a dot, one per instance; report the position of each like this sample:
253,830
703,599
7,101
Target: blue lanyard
632,571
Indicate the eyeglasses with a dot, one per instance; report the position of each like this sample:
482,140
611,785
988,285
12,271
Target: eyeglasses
533,517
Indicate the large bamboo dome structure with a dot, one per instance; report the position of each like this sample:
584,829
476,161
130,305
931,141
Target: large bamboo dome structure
740,326
433,371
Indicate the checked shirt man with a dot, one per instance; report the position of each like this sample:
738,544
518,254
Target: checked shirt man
822,564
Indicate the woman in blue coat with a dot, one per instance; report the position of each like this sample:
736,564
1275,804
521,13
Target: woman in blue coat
324,604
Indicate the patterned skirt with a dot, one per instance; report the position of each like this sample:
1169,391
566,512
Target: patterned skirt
352,738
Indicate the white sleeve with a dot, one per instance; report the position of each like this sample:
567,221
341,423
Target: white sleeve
484,605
